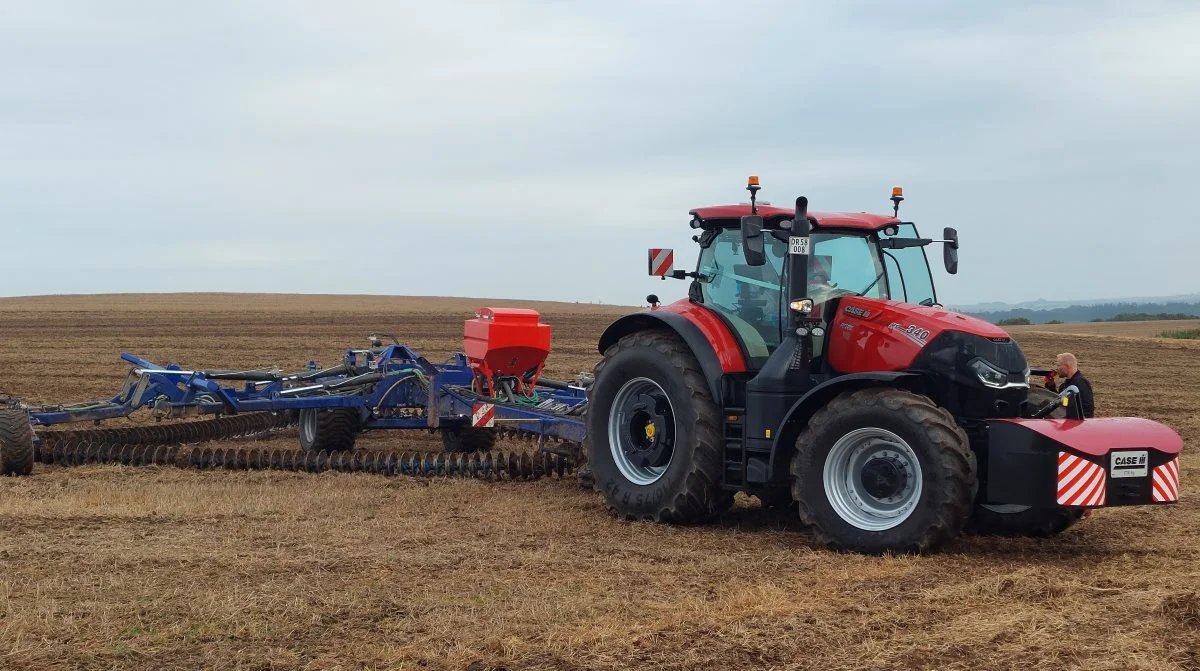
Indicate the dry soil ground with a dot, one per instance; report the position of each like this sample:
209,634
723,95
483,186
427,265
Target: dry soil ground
110,567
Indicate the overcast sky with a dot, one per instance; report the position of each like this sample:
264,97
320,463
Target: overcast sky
527,149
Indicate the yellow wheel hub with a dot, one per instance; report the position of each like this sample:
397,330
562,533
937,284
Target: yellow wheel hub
650,431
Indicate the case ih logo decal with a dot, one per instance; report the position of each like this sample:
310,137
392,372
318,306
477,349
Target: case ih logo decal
912,332
1130,464
857,311
1166,482
1080,482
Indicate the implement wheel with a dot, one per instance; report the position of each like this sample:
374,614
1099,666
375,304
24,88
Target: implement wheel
468,439
884,470
16,443
328,430
654,440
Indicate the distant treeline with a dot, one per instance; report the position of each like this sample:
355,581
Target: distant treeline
1095,313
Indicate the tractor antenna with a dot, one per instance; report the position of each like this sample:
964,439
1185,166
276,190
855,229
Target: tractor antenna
753,187
897,196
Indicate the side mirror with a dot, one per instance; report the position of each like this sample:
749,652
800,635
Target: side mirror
950,250
752,240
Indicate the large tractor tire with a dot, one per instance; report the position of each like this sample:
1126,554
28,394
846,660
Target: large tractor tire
654,437
468,439
1015,520
884,470
328,430
16,443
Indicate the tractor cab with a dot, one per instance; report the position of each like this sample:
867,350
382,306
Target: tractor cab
743,275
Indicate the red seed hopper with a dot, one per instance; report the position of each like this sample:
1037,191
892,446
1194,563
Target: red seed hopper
506,342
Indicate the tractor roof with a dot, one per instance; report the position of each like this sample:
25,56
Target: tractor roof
863,221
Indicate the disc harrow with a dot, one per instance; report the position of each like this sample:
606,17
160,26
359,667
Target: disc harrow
477,465
223,428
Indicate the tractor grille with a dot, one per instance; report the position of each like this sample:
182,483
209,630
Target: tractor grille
952,350
1002,353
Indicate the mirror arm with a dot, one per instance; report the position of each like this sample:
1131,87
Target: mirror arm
681,275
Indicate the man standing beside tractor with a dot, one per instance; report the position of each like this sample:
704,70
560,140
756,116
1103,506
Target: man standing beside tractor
1067,366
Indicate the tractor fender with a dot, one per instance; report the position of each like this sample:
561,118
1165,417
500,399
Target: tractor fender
661,320
802,410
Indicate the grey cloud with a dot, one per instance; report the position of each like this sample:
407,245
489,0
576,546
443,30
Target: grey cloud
405,142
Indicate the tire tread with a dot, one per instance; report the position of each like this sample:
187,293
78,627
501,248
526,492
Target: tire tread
958,463
16,443
701,499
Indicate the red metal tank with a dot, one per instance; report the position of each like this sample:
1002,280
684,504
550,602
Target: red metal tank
506,341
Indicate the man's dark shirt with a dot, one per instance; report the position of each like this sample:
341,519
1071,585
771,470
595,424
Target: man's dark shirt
1085,391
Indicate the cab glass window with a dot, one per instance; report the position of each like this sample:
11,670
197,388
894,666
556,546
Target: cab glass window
908,270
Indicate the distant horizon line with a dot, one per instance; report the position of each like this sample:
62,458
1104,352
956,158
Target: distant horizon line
1184,298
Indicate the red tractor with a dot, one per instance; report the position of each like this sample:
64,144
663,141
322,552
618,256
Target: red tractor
812,366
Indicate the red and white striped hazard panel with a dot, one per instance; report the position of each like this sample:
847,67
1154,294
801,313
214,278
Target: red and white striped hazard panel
483,415
1165,486
1080,482
662,261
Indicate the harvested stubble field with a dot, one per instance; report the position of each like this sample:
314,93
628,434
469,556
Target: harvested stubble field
110,567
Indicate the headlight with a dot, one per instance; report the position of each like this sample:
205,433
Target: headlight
989,374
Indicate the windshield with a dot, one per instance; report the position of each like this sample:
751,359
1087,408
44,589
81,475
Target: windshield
844,264
908,270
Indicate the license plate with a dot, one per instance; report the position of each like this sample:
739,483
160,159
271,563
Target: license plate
1130,464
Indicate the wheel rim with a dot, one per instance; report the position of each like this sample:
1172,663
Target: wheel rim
873,479
641,431
308,426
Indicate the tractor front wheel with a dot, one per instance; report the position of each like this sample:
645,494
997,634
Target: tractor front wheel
16,443
1014,520
883,470
328,430
654,436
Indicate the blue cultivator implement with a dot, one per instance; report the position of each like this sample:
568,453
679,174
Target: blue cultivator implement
492,390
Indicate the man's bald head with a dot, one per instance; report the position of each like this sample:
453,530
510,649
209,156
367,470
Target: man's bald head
1066,364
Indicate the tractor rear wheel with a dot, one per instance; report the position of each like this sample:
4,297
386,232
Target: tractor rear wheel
16,443
328,430
468,439
883,470
654,440
1014,520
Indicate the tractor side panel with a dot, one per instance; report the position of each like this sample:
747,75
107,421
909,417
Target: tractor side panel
869,335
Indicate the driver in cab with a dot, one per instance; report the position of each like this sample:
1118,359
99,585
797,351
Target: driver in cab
820,289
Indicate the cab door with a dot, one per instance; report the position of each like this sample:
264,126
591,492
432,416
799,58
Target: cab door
749,299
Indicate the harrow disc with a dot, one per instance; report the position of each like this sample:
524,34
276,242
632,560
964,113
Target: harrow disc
222,428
